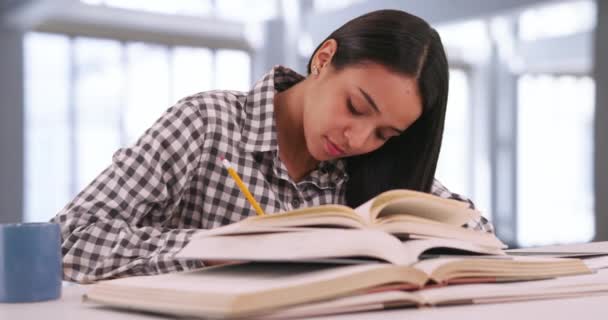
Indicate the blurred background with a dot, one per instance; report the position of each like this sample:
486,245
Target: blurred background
526,119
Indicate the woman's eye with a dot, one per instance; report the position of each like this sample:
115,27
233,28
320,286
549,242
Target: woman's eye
352,109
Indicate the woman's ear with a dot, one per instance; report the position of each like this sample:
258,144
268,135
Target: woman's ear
325,53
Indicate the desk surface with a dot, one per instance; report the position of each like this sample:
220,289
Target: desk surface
71,307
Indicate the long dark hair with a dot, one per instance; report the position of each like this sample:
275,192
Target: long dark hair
405,44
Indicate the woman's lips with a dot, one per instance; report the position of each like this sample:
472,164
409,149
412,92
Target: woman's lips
333,149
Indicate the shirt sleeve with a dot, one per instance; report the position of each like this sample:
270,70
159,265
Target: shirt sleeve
481,224
119,224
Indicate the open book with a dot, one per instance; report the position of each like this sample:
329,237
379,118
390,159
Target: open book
250,289
403,213
326,244
397,226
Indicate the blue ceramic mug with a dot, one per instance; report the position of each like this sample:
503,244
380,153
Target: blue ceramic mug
30,262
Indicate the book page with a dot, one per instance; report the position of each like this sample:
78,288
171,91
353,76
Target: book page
348,304
400,227
418,247
247,289
325,215
502,268
297,246
239,229
565,250
475,293
364,210
418,204
230,279
596,263
426,208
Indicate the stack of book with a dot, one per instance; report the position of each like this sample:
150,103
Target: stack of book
402,248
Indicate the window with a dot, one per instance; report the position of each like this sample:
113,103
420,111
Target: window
97,103
246,10
147,96
48,146
183,7
229,63
184,81
464,162
331,5
73,127
473,49
556,20
555,127
235,10
555,131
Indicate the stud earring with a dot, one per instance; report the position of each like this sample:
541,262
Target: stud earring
315,70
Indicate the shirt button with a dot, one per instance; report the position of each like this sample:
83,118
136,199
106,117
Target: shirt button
295,203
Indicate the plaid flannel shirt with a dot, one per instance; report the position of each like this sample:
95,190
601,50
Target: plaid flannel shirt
146,205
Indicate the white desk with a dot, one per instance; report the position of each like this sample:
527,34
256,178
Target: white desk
71,307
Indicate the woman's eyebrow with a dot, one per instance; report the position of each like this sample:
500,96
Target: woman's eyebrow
369,99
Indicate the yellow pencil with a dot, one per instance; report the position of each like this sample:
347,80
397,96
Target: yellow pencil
242,186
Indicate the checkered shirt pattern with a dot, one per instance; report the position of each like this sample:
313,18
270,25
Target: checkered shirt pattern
154,196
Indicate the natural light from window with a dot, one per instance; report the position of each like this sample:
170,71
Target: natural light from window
554,190
103,95
559,19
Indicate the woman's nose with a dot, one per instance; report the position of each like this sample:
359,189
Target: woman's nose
356,137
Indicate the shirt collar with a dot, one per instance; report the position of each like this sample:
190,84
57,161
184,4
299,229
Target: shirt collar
259,131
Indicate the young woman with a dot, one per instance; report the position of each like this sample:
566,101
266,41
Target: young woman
367,118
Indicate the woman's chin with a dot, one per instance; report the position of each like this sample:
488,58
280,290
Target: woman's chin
319,157
319,154
323,156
